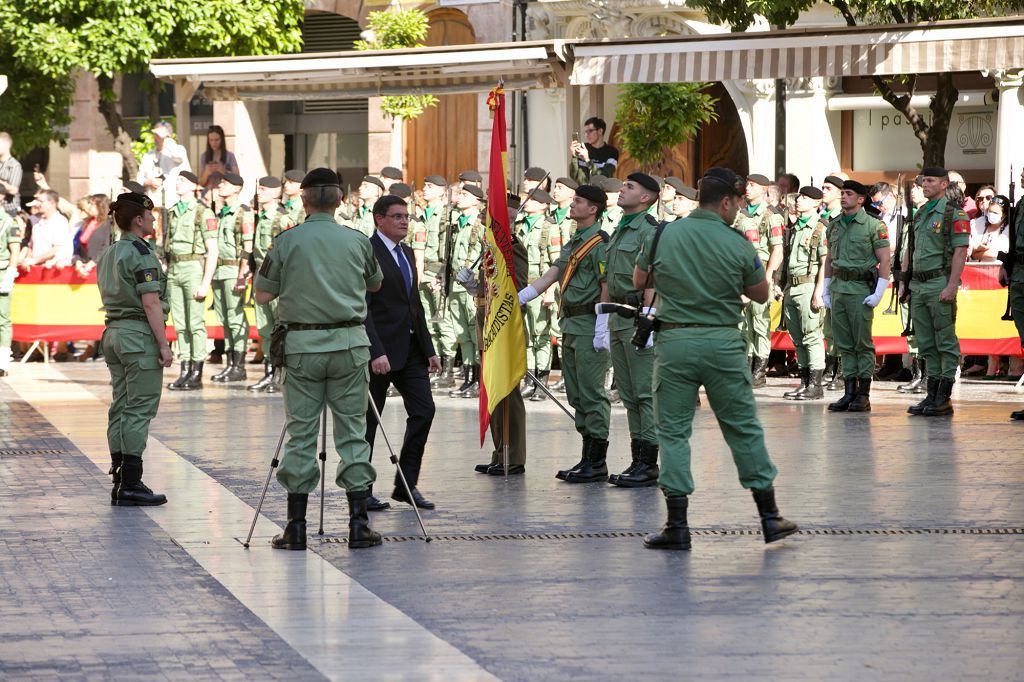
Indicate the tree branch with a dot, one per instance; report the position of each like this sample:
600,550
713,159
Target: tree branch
843,8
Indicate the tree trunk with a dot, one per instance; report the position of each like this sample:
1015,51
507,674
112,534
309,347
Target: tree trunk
942,114
153,95
110,109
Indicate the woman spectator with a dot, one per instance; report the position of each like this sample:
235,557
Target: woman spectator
216,160
984,248
93,232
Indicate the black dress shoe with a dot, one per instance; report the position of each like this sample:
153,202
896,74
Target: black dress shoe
513,469
374,504
423,503
482,468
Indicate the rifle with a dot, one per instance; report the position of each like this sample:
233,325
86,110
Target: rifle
908,330
1009,258
897,266
251,256
788,234
447,275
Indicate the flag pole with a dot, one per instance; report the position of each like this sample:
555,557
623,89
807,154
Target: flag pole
504,433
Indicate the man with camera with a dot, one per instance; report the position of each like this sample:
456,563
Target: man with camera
593,157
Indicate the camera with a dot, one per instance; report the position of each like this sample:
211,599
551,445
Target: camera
645,323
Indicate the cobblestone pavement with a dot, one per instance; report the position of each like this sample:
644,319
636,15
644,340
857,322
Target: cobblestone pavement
909,566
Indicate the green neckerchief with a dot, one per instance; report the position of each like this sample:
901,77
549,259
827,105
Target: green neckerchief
463,220
226,210
181,207
829,215
363,210
560,214
802,221
288,204
932,204
752,208
530,221
263,212
847,219
428,211
626,219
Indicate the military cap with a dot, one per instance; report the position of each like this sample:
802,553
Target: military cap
688,192
535,173
391,173
476,191
134,187
470,176
812,193
723,176
834,180
609,184
594,195
270,182
190,176
373,180
129,198
233,179
294,176
568,182
857,187
675,183
540,195
759,179
658,179
436,180
935,172
645,181
400,189
321,177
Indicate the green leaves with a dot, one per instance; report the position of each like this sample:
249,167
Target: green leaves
655,117
394,29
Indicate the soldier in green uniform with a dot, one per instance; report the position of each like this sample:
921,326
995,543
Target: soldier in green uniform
234,241
684,201
532,177
389,175
370,189
831,190
613,215
191,251
665,200
271,221
763,228
633,367
1015,281
471,177
942,234
856,277
536,232
134,294
578,271
434,224
10,253
562,192
466,245
918,367
701,269
804,290
320,275
291,193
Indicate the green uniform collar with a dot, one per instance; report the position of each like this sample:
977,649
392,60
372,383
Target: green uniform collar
753,209
930,206
183,206
705,214
428,212
530,221
804,221
629,217
560,214
226,210
832,215
858,217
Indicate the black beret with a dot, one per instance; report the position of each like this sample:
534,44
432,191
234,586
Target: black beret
568,182
594,195
294,176
675,183
835,181
470,176
128,198
475,191
540,195
812,193
400,189
645,181
233,179
535,173
658,179
935,172
688,192
190,176
436,180
270,182
857,187
373,180
321,177
759,179
391,173
723,176
609,184
134,187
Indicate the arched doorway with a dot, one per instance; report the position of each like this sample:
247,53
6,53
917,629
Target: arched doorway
443,140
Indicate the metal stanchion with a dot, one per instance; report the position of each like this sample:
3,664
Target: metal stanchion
273,465
544,388
323,467
394,460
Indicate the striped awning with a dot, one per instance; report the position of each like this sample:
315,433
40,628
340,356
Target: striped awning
341,75
938,47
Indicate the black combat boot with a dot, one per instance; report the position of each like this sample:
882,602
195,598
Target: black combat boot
268,376
918,377
294,535
473,390
1017,415
634,450
836,382
467,379
236,368
542,379
115,473
813,390
843,403
275,381
805,381
359,532
941,405
529,388
594,468
194,380
929,399
229,362
862,402
676,533
773,526
562,473
559,386
186,367
133,492
645,473
758,372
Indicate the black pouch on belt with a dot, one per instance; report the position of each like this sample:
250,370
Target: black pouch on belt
277,339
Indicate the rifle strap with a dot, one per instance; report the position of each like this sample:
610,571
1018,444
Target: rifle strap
579,254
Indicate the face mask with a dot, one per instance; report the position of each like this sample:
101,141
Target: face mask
993,218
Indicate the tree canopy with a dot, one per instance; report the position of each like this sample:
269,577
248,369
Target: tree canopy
394,29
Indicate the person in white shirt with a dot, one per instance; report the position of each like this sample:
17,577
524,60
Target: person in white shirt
993,236
51,244
159,169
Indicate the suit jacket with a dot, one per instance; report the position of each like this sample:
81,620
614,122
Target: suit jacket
392,310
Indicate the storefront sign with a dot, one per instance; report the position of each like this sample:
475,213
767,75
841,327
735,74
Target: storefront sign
884,140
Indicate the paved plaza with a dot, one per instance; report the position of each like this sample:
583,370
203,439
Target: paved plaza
909,564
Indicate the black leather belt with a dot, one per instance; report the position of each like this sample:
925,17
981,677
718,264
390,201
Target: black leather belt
660,326
299,327
928,274
853,275
137,318
1020,258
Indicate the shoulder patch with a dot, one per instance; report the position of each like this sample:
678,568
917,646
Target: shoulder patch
961,226
604,236
147,275
142,247
757,263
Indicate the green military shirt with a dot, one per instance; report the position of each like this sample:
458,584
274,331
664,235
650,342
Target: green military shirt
807,248
852,241
933,241
584,287
622,251
10,233
234,227
700,269
433,252
467,242
535,232
189,225
762,228
270,222
1018,270
124,272
320,274
363,221
612,217
566,225
296,212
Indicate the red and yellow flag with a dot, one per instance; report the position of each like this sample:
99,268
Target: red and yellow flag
504,338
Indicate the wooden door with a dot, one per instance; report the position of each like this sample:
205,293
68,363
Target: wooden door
443,140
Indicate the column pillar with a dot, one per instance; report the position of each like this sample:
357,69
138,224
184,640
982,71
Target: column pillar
810,145
246,129
755,104
1009,121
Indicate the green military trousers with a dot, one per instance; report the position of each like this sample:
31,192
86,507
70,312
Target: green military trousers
229,308
583,369
756,324
851,325
804,326
6,330
716,359
516,430
266,316
831,350
911,341
133,359
186,312
462,312
633,371
1016,307
538,335
935,328
339,380
442,331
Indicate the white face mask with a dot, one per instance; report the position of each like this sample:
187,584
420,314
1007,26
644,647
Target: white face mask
993,218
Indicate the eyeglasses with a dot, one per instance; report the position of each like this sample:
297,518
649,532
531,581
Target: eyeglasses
401,217
986,197
589,130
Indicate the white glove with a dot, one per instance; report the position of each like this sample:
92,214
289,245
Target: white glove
527,294
649,311
826,293
874,299
602,338
7,283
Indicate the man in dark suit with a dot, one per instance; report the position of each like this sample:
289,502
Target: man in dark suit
401,352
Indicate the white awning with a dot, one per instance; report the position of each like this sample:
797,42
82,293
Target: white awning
340,75
974,45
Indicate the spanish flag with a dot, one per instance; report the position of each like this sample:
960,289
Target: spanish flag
504,338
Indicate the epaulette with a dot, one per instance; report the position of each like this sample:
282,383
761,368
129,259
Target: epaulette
141,247
654,222
604,236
